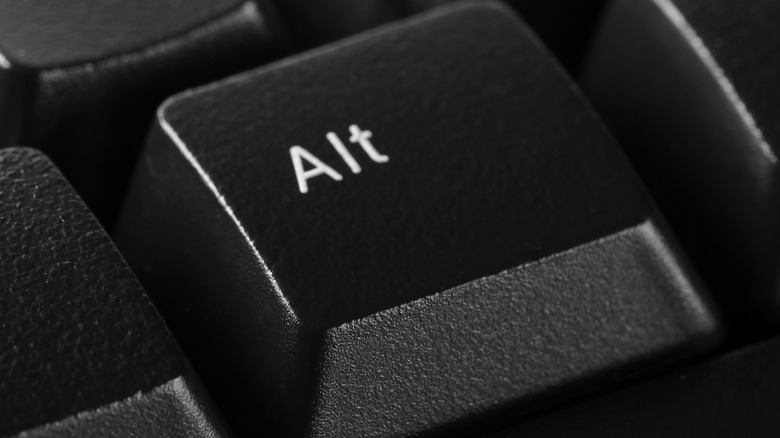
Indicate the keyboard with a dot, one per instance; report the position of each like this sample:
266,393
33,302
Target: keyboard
389,218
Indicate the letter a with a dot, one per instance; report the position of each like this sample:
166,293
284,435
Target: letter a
297,153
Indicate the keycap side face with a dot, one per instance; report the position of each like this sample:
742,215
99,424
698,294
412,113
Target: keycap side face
78,331
174,409
192,260
515,341
53,33
486,169
743,41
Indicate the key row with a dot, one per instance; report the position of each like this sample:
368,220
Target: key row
376,218
337,307
676,83
83,87
687,89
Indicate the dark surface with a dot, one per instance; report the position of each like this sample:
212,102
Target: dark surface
514,342
681,99
285,300
178,408
489,168
733,395
565,26
316,23
50,34
78,332
85,77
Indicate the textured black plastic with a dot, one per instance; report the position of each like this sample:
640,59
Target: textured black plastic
77,330
690,89
334,309
178,408
516,341
84,77
734,395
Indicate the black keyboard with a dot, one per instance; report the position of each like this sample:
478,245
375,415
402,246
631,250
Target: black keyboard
389,218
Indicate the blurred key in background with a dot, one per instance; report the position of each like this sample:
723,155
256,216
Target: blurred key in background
691,89
565,26
81,80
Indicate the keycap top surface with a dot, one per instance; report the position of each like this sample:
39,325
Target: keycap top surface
463,195
52,33
78,332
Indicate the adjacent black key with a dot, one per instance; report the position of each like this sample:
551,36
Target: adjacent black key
82,351
690,87
404,234
734,395
565,26
81,79
316,23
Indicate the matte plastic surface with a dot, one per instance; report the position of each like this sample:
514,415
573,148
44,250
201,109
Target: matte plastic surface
80,79
177,408
78,332
690,89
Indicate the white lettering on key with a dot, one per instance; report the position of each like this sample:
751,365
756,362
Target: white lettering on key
335,141
298,153
359,136
362,137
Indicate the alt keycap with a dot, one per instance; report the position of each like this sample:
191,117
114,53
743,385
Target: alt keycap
405,233
736,394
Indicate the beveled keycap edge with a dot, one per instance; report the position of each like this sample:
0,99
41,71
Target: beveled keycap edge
176,408
237,79
649,312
